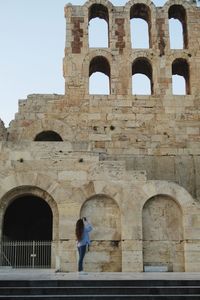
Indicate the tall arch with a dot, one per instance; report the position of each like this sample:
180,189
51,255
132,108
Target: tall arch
163,234
19,198
180,67
142,66
98,17
178,12
99,65
104,214
142,12
28,218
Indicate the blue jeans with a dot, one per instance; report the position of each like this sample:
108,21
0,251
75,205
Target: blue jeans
81,251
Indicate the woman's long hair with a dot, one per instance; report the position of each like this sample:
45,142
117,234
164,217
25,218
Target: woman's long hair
79,229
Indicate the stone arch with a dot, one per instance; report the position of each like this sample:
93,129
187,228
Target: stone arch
48,135
101,64
184,3
35,127
180,67
98,10
143,66
104,214
171,189
96,53
163,242
102,9
39,185
178,12
100,14
142,11
105,3
20,192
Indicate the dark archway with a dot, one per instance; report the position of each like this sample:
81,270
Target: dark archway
48,136
28,218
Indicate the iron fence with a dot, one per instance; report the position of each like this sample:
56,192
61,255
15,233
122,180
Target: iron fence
26,254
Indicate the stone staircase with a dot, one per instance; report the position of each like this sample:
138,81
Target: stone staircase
85,289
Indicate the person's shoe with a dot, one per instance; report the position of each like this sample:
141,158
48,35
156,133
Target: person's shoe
83,273
57,270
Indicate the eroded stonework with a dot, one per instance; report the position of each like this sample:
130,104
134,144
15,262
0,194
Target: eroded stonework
130,163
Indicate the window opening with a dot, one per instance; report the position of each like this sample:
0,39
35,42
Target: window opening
98,84
99,76
98,33
142,77
139,34
180,77
140,23
98,29
178,85
178,27
141,85
176,34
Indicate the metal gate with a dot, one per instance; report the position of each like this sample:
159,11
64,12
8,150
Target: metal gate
23,254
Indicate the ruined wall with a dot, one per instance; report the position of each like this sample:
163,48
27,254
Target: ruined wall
130,163
3,131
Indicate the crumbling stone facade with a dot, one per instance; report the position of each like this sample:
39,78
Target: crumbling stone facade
130,163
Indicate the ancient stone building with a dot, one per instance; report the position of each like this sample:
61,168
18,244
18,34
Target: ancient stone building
130,163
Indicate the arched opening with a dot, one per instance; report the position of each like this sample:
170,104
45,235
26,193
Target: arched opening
48,136
140,23
178,21
27,233
98,32
163,234
28,218
104,214
180,77
142,81
99,76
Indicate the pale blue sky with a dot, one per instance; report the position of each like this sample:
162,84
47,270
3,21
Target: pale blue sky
32,36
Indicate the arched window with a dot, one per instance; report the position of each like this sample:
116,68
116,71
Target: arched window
99,76
140,23
98,29
177,27
48,136
142,82
180,77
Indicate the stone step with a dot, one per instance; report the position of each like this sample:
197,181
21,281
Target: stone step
95,283
104,290
100,289
104,297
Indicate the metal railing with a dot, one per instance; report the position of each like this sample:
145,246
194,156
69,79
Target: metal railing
25,254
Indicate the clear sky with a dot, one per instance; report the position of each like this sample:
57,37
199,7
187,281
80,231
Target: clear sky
32,34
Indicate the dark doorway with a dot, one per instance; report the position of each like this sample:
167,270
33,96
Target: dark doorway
28,218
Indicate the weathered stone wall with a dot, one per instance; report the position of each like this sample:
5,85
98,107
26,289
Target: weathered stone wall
130,163
3,131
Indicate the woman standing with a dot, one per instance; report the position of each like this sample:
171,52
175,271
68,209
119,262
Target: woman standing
83,227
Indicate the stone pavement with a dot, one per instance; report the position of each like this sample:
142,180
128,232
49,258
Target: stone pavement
50,274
